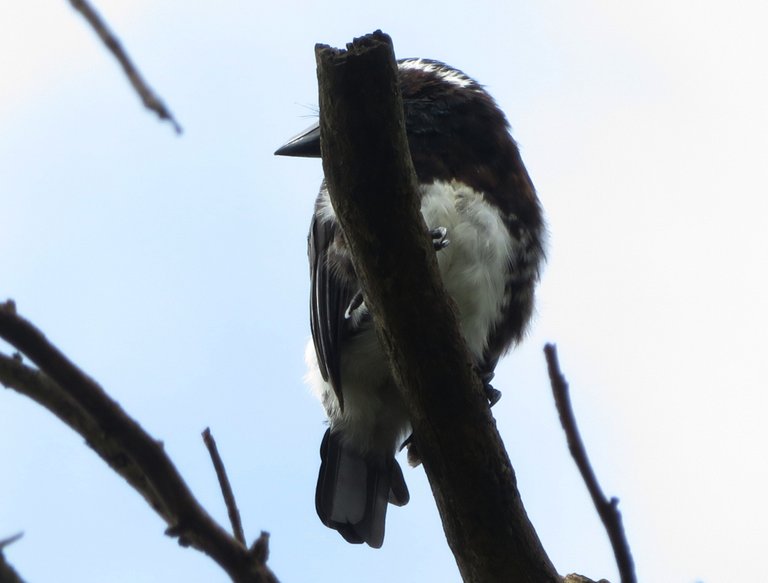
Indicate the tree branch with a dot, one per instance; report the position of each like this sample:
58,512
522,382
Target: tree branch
79,401
607,509
41,389
7,573
226,488
148,97
10,540
373,189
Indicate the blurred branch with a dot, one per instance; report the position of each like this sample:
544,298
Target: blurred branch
150,99
607,509
10,540
372,183
226,488
65,390
7,573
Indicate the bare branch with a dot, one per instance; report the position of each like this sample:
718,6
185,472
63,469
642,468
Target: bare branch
150,99
69,393
607,509
226,488
10,540
372,184
40,388
7,573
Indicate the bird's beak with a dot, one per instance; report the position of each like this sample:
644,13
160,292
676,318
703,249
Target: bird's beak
305,145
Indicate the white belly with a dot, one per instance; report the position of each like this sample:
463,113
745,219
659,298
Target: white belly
474,270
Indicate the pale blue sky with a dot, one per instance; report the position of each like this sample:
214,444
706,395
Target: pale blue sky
173,270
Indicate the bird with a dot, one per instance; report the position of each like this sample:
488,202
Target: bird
488,230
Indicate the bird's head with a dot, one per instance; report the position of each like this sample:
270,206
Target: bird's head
455,130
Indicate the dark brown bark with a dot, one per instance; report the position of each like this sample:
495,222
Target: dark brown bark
374,192
7,573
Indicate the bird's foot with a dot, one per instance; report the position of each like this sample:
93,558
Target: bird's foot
493,395
439,238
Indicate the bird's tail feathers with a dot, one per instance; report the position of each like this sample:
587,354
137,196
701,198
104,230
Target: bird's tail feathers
353,490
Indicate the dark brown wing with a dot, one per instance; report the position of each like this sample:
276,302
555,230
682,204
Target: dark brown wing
330,296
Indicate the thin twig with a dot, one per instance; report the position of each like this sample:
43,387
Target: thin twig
150,99
607,509
226,488
10,540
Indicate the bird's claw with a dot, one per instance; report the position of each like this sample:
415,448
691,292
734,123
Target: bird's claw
439,238
493,395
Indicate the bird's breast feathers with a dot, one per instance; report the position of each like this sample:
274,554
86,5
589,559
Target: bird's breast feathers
475,265
475,269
